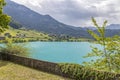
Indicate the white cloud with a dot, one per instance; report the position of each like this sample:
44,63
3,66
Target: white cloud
77,12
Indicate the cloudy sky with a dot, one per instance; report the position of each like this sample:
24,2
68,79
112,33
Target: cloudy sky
77,12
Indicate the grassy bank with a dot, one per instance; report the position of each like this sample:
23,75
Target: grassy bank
11,71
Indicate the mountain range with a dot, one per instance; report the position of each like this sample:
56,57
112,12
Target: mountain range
30,19
111,26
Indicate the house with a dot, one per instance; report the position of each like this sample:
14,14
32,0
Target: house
8,35
20,35
2,38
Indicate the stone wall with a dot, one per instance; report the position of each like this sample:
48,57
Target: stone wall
43,66
33,63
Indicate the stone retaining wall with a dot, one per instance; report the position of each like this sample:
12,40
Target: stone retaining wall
41,65
33,63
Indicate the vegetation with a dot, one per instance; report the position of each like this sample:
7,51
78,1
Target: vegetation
79,72
4,19
9,48
16,49
24,35
80,39
109,61
11,71
109,58
66,38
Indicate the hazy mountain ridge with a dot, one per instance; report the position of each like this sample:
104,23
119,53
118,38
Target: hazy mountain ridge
111,26
44,23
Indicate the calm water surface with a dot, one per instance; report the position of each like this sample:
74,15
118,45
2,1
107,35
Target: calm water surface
60,52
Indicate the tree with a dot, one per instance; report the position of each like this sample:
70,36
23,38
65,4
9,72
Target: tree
9,48
109,57
4,18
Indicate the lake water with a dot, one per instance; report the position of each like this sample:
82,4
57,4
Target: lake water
61,52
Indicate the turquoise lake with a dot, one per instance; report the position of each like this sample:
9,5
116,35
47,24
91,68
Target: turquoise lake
61,52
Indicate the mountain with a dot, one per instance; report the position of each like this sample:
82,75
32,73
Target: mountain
25,17
15,24
109,27
111,30
90,27
113,26
44,23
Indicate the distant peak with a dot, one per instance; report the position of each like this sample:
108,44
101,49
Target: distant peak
47,15
114,25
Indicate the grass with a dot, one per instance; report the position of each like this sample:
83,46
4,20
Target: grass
11,71
28,33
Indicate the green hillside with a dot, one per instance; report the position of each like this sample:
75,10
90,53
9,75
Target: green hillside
23,35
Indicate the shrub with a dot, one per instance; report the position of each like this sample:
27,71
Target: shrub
79,72
14,48
109,55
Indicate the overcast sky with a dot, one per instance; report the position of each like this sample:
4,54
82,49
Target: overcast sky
77,12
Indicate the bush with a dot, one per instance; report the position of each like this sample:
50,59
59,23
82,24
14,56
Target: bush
79,72
14,48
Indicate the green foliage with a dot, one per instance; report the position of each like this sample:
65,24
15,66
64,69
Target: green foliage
13,48
4,19
108,58
79,72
